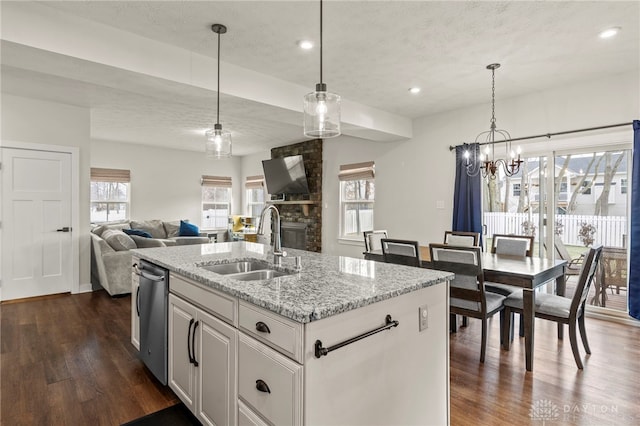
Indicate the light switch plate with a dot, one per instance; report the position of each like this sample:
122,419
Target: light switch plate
423,318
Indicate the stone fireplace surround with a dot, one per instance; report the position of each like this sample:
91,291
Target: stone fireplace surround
299,224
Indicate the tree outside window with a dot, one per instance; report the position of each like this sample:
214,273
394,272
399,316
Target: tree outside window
356,199
109,197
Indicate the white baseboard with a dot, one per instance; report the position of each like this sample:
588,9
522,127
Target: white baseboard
85,288
611,315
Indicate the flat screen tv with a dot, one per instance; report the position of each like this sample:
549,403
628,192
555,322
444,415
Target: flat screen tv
285,175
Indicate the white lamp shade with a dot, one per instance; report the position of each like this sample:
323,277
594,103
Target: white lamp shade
218,143
321,115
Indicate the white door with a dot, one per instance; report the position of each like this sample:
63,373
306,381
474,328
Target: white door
36,223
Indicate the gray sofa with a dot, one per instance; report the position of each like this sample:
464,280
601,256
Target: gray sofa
110,255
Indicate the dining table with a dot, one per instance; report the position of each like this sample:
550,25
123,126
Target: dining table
529,273
425,256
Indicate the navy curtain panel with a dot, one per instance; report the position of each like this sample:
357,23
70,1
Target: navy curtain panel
634,269
467,197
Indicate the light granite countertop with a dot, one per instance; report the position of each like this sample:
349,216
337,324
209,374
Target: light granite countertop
326,285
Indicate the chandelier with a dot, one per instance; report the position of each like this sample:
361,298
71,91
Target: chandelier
321,108
218,143
487,162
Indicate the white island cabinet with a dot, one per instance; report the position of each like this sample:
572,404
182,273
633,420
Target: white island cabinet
339,343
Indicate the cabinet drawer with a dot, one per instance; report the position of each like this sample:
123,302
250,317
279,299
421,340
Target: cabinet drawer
246,417
280,400
278,332
212,301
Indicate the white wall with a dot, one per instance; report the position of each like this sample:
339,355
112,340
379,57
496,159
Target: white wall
165,183
251,165
413,176
336,152
40,122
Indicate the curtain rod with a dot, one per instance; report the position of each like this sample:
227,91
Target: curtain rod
548,135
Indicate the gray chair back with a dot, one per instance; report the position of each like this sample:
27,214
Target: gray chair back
372,239
514,245
461,238
402,252
466,290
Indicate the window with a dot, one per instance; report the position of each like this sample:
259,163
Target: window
516,189
255,195
586,187
357,195
216,202
623,185
109,195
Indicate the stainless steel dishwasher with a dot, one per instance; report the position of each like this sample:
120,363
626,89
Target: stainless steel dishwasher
152,309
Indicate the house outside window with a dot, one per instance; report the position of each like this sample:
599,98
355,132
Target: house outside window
357,196
110,195
216,202
255,195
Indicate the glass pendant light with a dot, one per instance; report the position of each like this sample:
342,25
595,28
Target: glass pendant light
321,108
218,143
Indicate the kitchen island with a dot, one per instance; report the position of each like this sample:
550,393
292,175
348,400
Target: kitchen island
340,341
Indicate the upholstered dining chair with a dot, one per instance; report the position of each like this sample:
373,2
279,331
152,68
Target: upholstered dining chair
402,252
560,309
512,245
462,238
515,245
372,239
467,295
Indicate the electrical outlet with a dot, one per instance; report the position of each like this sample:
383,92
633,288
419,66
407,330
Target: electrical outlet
423,318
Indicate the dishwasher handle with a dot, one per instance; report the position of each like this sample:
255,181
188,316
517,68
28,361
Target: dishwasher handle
151,277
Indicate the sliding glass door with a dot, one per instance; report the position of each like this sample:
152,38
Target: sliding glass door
585,195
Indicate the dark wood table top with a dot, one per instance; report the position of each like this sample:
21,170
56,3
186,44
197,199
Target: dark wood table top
526,272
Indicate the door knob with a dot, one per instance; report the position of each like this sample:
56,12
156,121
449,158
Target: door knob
65,229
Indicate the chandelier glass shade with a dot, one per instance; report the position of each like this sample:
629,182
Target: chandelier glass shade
486,162
321,108
218,144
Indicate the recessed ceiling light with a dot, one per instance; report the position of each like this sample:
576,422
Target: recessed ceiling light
609,32
305,44
414,90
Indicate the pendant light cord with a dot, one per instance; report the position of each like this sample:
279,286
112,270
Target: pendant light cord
320,41
218,102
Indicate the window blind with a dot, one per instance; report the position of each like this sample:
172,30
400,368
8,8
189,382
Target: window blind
110,175
219,181
254,182
357,171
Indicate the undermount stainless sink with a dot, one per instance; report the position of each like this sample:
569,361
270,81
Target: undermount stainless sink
246,270
237,267
265,274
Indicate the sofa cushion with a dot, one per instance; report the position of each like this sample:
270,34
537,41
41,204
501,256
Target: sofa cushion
153,227
118,240
183,241
98,230
143,242
137,232
172,228
188,229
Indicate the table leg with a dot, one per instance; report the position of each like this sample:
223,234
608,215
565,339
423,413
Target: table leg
528,316
561,287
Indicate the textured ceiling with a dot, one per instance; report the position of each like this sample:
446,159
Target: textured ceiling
373,52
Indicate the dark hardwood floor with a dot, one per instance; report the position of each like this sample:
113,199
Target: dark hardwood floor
68,360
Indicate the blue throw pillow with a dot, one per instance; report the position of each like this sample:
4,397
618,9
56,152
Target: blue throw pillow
188,229
138,232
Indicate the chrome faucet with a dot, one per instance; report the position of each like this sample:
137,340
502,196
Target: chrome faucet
278,253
